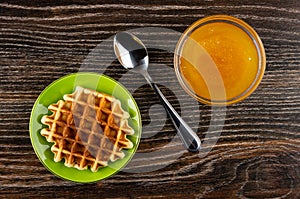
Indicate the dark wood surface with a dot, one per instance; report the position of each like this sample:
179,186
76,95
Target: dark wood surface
258,152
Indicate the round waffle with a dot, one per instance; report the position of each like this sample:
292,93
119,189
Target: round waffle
88,128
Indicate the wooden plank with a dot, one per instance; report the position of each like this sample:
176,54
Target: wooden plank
257,154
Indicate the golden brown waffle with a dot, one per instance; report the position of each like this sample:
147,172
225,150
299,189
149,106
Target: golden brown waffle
88,128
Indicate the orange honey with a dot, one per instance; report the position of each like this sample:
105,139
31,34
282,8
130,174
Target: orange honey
219,60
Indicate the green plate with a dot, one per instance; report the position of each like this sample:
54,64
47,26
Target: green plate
55,92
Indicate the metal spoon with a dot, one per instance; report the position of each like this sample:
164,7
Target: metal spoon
133,55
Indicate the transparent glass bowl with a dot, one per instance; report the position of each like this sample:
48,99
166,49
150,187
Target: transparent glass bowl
253,37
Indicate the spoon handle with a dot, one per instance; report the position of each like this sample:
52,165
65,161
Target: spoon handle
187,135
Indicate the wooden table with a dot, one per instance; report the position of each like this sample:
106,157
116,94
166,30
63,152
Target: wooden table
257,154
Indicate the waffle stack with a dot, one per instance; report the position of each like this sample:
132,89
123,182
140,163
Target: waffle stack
88,129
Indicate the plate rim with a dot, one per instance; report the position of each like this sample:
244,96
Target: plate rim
115,170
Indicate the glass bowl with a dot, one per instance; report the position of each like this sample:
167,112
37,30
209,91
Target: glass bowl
219,60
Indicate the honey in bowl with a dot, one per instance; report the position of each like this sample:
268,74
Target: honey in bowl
219,60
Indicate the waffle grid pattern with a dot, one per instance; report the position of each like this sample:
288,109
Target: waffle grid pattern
88,128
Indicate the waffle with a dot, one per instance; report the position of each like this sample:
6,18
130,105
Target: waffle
88,129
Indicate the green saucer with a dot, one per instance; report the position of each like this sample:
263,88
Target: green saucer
55,92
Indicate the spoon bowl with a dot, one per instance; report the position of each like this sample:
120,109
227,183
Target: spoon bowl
131,52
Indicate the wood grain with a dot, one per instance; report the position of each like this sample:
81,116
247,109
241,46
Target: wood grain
258,152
